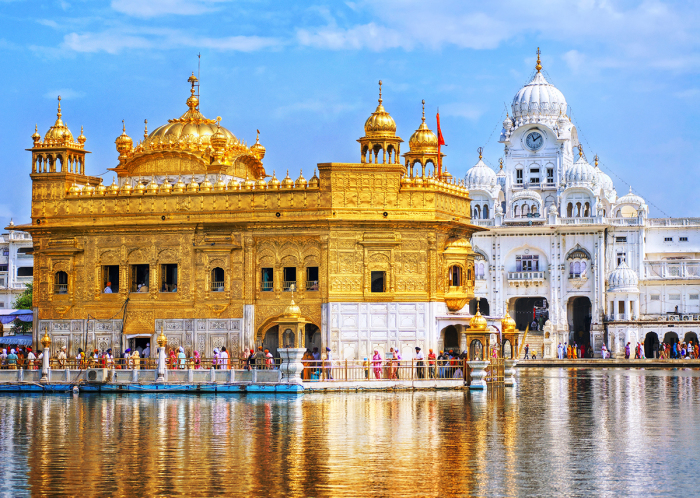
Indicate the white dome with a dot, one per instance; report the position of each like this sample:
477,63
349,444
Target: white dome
539,98
604,180
480,176
630,198
580,173
623,279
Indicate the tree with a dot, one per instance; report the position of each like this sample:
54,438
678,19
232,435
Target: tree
23,302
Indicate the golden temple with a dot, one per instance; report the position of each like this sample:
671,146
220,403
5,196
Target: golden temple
194,236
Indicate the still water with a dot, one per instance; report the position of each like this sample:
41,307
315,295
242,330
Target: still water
560,432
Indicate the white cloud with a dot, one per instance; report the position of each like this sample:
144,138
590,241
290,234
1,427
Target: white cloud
65,93
157,8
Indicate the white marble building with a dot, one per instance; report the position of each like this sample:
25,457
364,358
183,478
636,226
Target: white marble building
561,238
16,265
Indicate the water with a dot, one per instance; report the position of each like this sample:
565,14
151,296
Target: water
573,432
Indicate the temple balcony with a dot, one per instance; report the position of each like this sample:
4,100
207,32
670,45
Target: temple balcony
525,278
659,270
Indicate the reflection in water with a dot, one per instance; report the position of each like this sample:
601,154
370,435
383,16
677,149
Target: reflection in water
559,432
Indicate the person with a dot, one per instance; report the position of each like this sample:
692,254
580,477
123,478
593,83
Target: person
604,351
215,359
250,361
3,358
317,362
61,357
30,359
197,360
181,357
534,354
174,288
390,365
108,288
533,325
420,371
147,352
365,366
127,359
527,351
377,364
627,351
12,360
109,359
136,360
329,363
655,350
269,360
431,363
259,359
143,288
397,363
574,351
560,352
305,360
441,360
223,359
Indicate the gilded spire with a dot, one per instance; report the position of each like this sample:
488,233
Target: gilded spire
423,102
58,114
500,163
145,129
380,95
539,64
480,150
580,150
596,160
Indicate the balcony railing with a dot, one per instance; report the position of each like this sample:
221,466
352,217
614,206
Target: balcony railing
672,269
289,286
60,289
525,277
266,286
217,286
483,223
312,285
673,222
581,221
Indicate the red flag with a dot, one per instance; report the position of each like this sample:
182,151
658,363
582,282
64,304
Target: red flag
441,142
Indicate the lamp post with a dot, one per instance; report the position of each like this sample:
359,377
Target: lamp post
162,342
46,343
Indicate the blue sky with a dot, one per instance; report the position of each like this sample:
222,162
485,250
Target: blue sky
305,73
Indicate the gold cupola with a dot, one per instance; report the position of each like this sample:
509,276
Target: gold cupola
58,134
101,188
380,137
124,143
301,181
293,310
314,182
36,138
140,188
218,140
423,149
507,324
81,137
166,187
113,188
220,185
206,185
257,148
287,182
478,322
179,186
248,184
234,184
152,187
126,188
193,186
274,183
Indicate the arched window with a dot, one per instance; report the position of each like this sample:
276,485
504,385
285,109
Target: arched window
516,211
477,212
455,276
533,209
217,280
569,210
578,210
586,210
486,211
60,283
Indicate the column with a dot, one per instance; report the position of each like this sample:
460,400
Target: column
635,308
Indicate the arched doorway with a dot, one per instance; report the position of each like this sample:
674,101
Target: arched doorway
691,337
271,340
670,338
651,345
484,307
451,338
528,309
581,323
312,337
476,350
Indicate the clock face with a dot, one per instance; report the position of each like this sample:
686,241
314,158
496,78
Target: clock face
534,140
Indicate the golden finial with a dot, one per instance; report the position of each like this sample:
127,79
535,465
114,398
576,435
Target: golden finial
539,65
257,138
423,101
500,163
145,129
380,91
480,150
596,160
123,126
580,150
59,107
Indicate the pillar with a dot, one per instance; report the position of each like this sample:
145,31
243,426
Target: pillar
635,309
161,364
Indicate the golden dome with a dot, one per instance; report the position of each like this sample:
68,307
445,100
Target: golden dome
423,139
314,182
36,138
74,189
152,187
260,183
206,185
418,181
380,123
430,180
140,188
220,185
257,148
59,132
406,180
507,324
478,322
81,137
166,187
179,186
458,245
113,188
248,184
274,183
193,186
123,142
287,182
301,181
234,184
292,311
46,340
101,188
127,188
218,140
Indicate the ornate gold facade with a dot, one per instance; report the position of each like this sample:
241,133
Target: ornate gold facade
191,194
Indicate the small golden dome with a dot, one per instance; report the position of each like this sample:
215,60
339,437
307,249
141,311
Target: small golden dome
430,181
36,138
292,311
220,185
113,188
179,186
81,137
301,181
423,139
314,182
478,322
380,123
74,189
260,183
218,140
59,132
193,186
274,183
101,188
206,185
406,180
140,188
166,187
257,148
234,184
162,340
248,184
152,187
127,188
507,324
287,182
123,142
418,181
46,340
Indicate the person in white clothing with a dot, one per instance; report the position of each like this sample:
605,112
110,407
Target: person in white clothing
420,371
108,288
223,359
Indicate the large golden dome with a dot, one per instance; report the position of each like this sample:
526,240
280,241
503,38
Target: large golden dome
59,132
423,139
380,123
